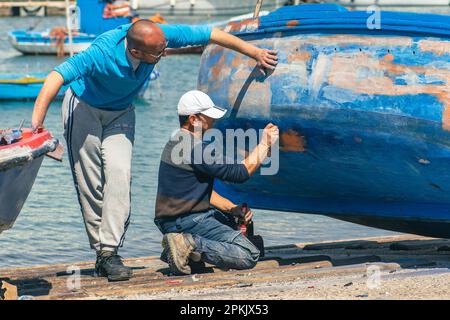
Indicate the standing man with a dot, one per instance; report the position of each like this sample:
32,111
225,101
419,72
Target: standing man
99,120
197,223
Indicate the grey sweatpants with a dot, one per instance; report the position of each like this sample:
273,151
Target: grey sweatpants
99,144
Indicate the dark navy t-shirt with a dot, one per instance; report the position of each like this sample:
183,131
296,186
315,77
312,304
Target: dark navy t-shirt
185,181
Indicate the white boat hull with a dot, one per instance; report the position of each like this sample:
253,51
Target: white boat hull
46,48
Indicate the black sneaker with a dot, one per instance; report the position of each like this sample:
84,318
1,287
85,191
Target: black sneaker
110,265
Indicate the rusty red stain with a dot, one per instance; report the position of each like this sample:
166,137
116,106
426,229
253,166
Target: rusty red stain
292,23
389,57
174,281
217,68
236,26
240,60
292,141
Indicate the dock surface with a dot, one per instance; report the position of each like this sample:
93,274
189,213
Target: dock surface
399,267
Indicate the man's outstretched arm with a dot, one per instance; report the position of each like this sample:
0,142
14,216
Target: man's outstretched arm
50,89
265,58
185,35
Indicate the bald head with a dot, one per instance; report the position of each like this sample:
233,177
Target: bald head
144,34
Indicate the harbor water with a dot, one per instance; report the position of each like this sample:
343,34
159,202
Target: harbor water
50,228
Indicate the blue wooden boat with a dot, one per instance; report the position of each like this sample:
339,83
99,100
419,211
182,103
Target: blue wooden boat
363,112
91,24
24,86
34,42
28,86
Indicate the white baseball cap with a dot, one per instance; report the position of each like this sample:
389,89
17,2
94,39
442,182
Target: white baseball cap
193,102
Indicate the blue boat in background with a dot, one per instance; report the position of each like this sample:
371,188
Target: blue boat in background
34,42
28,86
91,24
23,87
363,107
92,19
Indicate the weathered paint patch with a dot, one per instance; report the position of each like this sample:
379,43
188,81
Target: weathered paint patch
299,56
352,40
381,76
437,47
348,70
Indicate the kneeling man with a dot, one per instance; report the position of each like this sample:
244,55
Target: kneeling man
197,223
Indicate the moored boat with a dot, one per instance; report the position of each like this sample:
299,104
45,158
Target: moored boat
92,19
34,42
28,86
23,86
362,104
21,156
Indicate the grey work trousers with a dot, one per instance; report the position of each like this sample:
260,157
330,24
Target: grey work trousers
99,144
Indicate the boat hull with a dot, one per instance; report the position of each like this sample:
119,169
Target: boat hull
15,186
364,128
19,166
42,43
27,87
23,92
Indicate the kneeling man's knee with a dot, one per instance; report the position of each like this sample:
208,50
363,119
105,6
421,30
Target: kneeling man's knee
253,258
250,254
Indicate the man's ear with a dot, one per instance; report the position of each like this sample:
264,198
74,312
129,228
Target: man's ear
192,119
134,52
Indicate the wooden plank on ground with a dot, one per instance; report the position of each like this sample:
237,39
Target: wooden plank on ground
282,263
229,279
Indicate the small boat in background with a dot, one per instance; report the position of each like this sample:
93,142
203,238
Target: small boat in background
89,19
92,18
21,156
48,42
363,107
23,87
27,87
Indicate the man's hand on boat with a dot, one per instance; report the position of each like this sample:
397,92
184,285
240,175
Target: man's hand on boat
266,59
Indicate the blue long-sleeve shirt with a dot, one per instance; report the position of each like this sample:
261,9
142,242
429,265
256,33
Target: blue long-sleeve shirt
185,183
102,75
